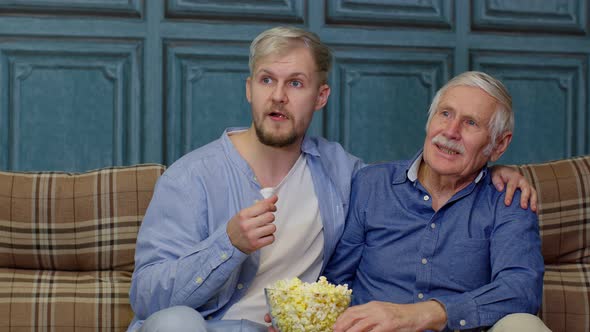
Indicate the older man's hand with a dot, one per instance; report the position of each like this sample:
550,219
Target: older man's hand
504,175
268,320
384,316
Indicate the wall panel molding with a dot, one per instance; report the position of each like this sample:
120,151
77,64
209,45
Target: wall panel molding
206,93
435,13
151,80
291,11
118,8
546,16
76,100
549,98
382,98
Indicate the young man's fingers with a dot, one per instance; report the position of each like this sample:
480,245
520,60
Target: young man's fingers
498,183
264,230
264,241
525,194
533,200
509,193
261,220
260,207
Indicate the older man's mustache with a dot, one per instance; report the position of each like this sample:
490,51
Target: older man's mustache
448,144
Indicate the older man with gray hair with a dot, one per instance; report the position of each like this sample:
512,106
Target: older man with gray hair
428,243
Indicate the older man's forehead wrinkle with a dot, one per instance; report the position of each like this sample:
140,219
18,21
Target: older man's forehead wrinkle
474,114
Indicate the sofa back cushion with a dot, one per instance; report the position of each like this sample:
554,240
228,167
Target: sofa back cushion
64,301
564,210
79,222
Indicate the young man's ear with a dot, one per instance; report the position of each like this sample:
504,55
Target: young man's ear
248,92
322,99
501,146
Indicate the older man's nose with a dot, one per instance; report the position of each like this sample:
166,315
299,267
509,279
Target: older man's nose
453,129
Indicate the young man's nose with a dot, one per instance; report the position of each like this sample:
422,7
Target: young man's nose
279,95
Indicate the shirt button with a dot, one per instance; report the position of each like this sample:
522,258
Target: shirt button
223,256
199,280
240,286
420,295
433,225
426,197
424,261
462,322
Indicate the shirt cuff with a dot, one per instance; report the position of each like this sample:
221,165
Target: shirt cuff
461,310
213,261
222,250
232,252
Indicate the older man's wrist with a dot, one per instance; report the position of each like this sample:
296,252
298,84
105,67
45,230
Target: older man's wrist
437,315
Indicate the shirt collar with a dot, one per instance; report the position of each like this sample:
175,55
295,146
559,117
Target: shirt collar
412,171
232,152
308,146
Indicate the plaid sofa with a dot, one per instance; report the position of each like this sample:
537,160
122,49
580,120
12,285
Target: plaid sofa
67,244
564,218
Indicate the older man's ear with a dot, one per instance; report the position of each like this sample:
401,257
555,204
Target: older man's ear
501,146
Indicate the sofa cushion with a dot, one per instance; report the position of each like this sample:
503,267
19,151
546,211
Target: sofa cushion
35,300
74,221
566,298
564,220
564,208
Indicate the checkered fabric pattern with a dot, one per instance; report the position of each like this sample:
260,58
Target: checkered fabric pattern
564,218
67,244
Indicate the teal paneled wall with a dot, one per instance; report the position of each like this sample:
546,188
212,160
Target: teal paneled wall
206,93
88,84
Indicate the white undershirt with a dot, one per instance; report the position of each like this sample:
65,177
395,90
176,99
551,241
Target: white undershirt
298,247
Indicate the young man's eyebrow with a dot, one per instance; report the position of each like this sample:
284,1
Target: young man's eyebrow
269,72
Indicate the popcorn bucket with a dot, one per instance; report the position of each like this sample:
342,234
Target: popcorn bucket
297,310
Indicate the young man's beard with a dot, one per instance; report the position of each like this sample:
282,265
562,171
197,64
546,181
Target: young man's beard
269,139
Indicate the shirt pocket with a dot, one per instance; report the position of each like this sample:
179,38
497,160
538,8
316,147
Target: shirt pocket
470,263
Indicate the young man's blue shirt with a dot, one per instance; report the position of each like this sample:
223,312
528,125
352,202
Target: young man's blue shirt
479,258
184,255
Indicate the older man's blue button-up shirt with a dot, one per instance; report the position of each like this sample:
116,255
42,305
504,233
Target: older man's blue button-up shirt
479,258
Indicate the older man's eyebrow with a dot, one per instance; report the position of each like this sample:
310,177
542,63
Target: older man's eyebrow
445,106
